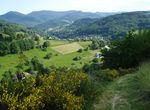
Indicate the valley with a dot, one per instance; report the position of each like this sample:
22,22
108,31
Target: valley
75,60
60,57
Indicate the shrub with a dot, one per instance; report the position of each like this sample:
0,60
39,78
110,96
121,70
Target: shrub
95,60
77,58
48,55
80,50
110,74
46,44
44,49
56,91
86,49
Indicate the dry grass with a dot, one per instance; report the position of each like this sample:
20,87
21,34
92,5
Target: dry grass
67,48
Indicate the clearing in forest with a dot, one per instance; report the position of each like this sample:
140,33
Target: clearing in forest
67,48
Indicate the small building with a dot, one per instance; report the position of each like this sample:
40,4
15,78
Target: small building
98,55
107,47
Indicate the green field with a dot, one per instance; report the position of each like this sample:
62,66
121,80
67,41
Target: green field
59,60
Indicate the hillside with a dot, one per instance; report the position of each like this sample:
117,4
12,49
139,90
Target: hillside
51,17
75,74
128,92
16,38
11,28
52,24
112,26
58,58
16,17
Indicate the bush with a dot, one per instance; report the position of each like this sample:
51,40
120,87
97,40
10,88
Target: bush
77,58
48,56
56,91
86,49
80,50
95,60
14,48
97,44
110,74
4,48
46,44
44,49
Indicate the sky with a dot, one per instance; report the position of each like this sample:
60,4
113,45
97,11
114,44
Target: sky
26,6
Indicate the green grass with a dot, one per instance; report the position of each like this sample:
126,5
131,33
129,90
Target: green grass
59,60
128,92
85,44
67,60
58,42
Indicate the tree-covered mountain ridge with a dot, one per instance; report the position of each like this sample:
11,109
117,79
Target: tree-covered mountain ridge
114,26
39,17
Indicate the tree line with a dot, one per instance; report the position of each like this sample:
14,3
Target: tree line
128,52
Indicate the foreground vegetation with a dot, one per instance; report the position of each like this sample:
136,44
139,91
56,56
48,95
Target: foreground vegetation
57,90
88,75
10,62
128,92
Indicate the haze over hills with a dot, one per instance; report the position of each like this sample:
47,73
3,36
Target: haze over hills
16,17
71,24
51,17
112,26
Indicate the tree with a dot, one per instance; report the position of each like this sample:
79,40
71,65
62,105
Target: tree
14,48
35,62
129,52
48,55
46,44
4,49
97,44
80,50
77,58
23,59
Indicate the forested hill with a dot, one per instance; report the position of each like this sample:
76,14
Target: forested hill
112,26
11,28
7,27
52,18
15,38
16,17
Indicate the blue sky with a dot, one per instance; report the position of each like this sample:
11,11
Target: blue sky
26,6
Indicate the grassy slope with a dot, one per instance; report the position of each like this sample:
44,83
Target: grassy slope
10,61
127,92
114,95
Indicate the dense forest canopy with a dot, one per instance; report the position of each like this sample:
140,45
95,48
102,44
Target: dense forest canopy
14,38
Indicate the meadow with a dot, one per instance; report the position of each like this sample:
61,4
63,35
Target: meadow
58,59
68,48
